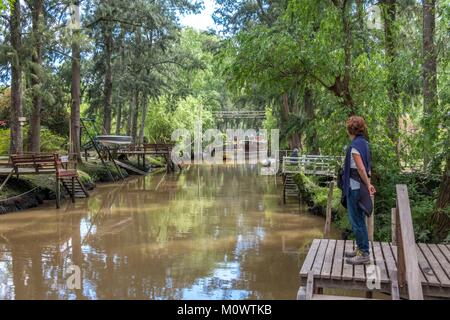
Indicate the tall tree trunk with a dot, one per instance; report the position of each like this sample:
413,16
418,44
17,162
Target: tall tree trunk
286,109
119,117
345,80
294,139
135,115
16,146
390,13
430,99
310,114
143,118
108,86
76,93
120,100
36,81
131,110
362,26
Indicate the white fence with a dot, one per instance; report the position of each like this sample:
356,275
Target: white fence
312,165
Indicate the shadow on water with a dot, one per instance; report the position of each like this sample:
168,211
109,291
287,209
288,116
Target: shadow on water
208,233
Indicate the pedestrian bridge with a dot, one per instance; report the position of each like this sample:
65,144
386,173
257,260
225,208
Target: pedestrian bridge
312,165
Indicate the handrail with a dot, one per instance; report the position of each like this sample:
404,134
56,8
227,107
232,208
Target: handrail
408,263
318,165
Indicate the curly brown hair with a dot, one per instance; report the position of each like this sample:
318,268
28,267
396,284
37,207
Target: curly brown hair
357,126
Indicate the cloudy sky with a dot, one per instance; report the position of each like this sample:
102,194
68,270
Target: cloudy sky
201,21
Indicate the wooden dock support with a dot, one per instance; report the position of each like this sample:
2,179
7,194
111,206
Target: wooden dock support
58,193
394,226
329,210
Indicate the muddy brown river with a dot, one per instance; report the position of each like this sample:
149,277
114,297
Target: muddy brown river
207,233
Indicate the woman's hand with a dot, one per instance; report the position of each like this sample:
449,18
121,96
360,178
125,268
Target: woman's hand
372,190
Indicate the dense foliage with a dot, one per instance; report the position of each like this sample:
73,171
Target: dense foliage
308,64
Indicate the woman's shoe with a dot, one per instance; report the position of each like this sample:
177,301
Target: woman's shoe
359,259
351,254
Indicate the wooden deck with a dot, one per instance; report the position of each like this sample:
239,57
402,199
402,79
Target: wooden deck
147,149
6,170
326,260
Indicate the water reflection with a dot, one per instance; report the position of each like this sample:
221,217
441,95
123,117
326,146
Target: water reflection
209,233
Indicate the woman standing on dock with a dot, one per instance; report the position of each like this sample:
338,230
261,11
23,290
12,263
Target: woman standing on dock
357,188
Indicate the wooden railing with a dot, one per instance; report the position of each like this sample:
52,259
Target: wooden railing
403,235
311,164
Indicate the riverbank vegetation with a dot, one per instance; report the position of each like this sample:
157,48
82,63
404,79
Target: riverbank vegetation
308,64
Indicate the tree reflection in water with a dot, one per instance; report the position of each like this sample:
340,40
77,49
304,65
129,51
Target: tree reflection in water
219,234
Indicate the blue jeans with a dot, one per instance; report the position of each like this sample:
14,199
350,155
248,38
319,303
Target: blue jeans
358,221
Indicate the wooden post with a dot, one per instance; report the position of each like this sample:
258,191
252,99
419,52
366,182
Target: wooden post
73,190
370,222
394,226
310,290
56,162
329,210
408,262
395,294
400,254
58,195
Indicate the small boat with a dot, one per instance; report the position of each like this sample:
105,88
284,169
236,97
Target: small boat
114,140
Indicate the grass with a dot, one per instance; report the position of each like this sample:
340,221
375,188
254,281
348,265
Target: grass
316,197
98,173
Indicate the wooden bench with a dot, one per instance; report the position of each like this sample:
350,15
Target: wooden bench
64,168
38,163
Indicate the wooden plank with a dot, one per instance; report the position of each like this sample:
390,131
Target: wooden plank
329,210
391,265
336,270
310,285
440,257
359,271
309,260
347,270
131,168
422,276
435,266
329,257
320,257
380,262
428,272
394,226
395,291
445,251
408,244
372,258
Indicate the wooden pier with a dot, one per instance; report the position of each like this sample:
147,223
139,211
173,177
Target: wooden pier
423,269
155,149
327,262
47,164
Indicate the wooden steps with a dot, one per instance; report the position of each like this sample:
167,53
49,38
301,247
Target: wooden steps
74,187
290,188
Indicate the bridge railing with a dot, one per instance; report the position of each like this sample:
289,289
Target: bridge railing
311,165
